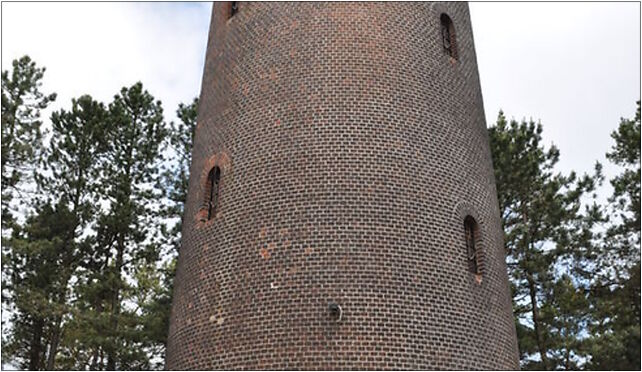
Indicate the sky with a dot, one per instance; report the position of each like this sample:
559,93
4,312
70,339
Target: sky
573,66
98,48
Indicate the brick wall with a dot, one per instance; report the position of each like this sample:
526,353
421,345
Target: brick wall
351,149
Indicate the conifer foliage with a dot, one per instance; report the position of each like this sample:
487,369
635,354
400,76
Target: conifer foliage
84,279
615,292
540,212
22,130
576,290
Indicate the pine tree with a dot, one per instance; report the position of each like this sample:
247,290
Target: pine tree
177,174
76,153
175,177
543,230
69,180
126,233
84,282
626,194
22,130
22,102
615,291
38,252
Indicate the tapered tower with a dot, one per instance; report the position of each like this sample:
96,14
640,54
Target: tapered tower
342,210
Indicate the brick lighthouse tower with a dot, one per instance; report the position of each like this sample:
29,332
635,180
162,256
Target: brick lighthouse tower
342,211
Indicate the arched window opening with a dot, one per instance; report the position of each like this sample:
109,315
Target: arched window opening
472,244
234,8
213,180
448,36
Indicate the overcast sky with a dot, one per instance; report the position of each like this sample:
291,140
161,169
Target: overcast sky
574,66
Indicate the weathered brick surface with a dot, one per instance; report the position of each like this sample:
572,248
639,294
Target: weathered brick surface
351,149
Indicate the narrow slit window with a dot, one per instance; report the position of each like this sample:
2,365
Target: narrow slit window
213,180
448,36
234,8
472,244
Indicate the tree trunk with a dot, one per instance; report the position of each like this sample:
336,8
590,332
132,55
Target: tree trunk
35,347
55,340
70,265
93,366
57,330
62,299
536,325
115,304
94,360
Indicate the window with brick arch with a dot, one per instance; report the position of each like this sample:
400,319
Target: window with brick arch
234,8
448,38
212,190
471,230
